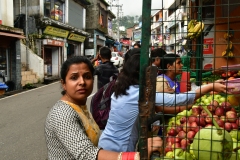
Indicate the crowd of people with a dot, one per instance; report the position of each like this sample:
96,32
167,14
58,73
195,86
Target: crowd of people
72,133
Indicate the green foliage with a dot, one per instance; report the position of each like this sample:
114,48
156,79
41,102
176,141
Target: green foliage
126,21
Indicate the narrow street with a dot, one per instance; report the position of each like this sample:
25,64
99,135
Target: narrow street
22,119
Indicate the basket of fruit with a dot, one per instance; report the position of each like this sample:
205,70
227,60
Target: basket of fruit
208,131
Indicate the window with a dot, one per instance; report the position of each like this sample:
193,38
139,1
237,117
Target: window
54,9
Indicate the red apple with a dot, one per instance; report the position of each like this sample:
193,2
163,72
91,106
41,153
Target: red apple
178,129
200,121
192,119
238,122
220,122
223,118
224,75
228,126
184,143
226,106
197,129
176,145
196,110
182,134
186,126
190,135
170,139
233,109
211,108
214,103
208,119
193,126
204,113
231,116
172,132
219,111
183,119
168,147
234,126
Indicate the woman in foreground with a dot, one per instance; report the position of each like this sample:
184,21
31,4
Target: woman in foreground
70,131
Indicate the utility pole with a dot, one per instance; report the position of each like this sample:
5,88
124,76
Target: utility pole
119,12
26,34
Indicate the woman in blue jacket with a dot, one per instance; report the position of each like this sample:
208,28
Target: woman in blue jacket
121,131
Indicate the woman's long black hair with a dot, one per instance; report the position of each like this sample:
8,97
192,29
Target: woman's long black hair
128,76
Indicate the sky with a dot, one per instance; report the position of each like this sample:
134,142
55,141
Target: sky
134,7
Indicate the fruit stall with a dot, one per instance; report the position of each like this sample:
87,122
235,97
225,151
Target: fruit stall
208,36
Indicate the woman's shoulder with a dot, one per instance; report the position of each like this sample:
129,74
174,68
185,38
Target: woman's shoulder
61,108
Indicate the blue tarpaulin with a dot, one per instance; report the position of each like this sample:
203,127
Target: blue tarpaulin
3,86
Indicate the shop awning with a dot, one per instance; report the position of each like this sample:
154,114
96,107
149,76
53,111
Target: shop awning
12,35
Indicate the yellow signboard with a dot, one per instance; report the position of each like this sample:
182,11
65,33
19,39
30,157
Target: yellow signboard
76,37
56,31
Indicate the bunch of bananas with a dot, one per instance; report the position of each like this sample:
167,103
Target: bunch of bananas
228,52
227,35
195,29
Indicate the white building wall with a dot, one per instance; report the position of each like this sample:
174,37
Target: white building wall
35,62
6,12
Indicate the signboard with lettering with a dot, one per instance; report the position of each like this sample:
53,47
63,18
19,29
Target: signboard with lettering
53,42
76,37
56,31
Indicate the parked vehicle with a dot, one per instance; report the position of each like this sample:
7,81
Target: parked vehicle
117,59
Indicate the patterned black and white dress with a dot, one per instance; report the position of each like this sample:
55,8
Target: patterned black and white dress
65,135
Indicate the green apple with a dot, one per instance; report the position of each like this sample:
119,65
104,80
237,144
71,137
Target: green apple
177,152
186,156
218,96
222,99
207,101
169,154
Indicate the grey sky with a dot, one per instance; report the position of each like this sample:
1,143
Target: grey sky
134,7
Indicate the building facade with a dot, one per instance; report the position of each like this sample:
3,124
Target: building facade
55,31
99,24
10,47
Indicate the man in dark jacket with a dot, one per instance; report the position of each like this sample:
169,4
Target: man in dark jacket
106,69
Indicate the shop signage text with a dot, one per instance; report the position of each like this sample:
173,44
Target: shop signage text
76,37
56,31
53,42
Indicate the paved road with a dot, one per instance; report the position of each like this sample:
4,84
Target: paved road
22,118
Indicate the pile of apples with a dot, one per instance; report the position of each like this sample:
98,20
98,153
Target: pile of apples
182,128
232,74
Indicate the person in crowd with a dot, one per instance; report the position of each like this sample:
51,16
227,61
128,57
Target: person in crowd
106,69
70,131
167,83
171,65
137,45
156,56
121,131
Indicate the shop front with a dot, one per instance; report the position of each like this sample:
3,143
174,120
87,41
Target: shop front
10,59
53,57
53,51
75,45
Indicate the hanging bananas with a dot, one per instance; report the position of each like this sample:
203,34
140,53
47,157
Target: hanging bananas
229,45
228,52
194,29
227,35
